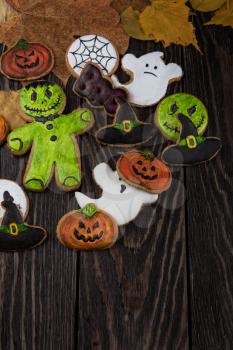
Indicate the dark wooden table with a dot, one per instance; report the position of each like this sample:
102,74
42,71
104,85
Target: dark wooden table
168,282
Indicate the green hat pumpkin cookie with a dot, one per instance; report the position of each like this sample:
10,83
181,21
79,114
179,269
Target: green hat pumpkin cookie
50,135
166,115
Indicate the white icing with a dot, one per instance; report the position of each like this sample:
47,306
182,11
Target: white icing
122,201
20,198
150,77
92,48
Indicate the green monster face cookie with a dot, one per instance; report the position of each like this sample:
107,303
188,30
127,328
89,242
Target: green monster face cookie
169,109
42,99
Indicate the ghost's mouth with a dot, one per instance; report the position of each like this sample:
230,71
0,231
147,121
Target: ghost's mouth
151,74
81,237
145,177
28,66
176,130
40,110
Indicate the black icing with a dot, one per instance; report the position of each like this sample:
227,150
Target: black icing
177,155
112,136
27,236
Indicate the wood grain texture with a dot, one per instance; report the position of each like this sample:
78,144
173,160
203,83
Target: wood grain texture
167,283
134,296
209,214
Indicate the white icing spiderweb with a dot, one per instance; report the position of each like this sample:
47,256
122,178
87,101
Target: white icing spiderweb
95,49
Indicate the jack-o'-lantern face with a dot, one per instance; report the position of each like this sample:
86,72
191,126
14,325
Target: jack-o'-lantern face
26,61
145,168
42,99
87,229
142,169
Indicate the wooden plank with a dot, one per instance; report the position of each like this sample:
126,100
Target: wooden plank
209,196
134,296
38,287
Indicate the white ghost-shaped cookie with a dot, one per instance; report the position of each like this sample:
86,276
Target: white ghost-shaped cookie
150,77
122,201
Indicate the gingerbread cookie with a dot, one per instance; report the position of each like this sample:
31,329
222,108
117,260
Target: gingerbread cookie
141,169
51,136
126,129
191,148
95,49
26,61
166,115
150,77
15,234
3,129
97,89
87,229
122,201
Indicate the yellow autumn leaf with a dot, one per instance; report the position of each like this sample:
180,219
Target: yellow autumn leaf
130,23
224,16
206,5
168,21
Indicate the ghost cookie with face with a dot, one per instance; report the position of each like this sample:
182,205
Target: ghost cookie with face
150,77
122,201
50,135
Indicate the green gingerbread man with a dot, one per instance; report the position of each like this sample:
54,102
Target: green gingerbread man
51,137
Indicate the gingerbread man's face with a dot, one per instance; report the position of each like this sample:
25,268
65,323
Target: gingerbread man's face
42,99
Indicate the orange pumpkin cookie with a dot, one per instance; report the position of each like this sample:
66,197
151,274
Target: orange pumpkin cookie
26,61
3,130
142,170
87,229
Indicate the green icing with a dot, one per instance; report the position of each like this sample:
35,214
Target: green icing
53,144
168,110
42,99
5,229
89,210
199,139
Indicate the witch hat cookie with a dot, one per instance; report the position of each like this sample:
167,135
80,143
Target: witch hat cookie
14,233
126,130
191,148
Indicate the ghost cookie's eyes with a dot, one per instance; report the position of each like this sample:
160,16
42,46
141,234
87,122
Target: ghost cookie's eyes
174,108
147,65
155,67
192,110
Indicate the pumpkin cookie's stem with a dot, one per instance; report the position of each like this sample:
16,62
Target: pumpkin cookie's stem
22,44
89,210
147,153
